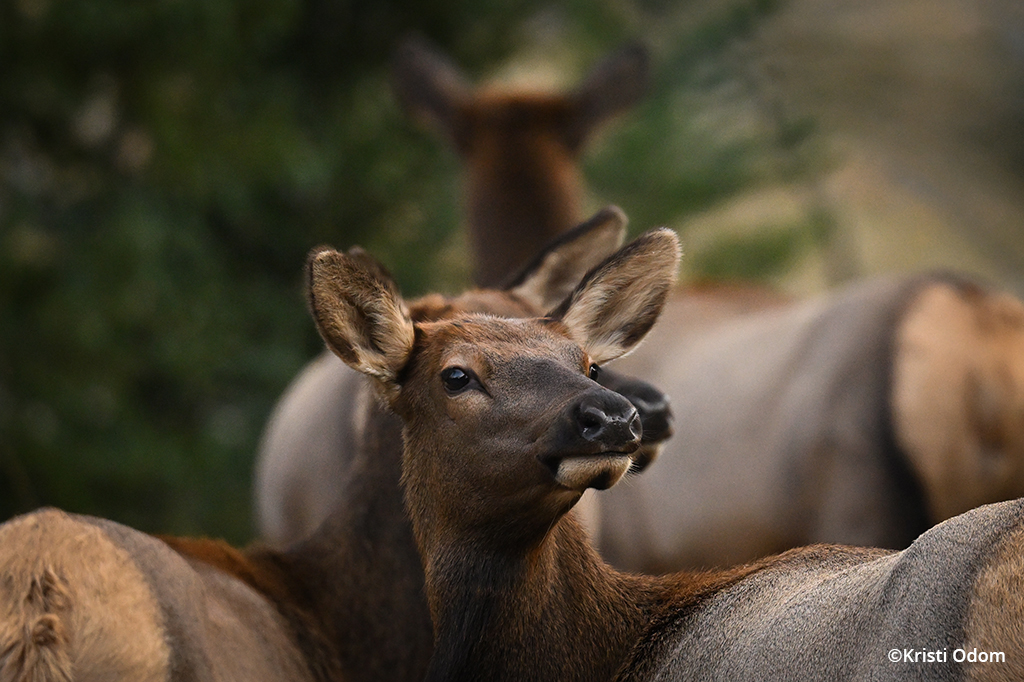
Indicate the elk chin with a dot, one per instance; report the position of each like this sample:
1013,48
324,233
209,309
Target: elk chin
600,471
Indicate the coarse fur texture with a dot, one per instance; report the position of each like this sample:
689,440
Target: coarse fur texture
516,592
995,619
87,599
59,622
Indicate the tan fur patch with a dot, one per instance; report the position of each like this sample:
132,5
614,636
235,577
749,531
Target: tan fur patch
73,606
995,618
958,396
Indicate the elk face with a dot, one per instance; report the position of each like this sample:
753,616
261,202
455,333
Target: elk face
504,425
502,420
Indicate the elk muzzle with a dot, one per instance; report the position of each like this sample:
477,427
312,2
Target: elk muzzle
593,440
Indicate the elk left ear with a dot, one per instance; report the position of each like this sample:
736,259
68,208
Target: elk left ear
559,267
619,301
359,312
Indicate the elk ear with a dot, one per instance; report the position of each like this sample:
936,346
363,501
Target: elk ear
359,312
618,82
559,267
430,88
618,302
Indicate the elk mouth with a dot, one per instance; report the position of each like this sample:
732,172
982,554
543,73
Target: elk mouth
601,470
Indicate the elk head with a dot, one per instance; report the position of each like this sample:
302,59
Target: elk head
504,424
519,148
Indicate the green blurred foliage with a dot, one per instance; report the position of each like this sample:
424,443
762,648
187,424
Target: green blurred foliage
165,166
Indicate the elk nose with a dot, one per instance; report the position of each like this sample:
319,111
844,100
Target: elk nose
609,420
655,413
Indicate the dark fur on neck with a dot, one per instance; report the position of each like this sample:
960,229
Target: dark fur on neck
557,613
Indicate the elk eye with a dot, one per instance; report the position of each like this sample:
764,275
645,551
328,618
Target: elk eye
594,372
455,379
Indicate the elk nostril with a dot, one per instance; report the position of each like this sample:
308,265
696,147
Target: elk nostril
592,421
636,426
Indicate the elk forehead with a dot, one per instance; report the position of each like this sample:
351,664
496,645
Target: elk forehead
496,341
435,307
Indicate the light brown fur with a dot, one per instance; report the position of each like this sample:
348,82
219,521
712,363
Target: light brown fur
958,395
74,606
89,600
995,621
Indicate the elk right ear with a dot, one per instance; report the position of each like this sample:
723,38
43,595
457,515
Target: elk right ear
619,301
431,88
618,82
359,312
556,270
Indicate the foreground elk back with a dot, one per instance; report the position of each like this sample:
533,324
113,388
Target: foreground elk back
503,432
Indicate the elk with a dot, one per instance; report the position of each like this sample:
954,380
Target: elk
503,431
523,186
84,598
519,149
863,416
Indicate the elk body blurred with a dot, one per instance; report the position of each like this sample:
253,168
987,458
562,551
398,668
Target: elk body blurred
864,416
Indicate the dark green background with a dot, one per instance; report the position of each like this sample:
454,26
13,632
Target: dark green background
166,165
